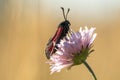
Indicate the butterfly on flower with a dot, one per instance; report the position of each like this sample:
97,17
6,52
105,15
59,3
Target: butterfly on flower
68,48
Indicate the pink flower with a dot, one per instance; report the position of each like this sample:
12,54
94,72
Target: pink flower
73,49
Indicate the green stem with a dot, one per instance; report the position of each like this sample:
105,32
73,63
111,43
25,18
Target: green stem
90,70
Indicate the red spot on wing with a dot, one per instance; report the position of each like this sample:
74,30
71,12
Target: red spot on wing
57,34
51,47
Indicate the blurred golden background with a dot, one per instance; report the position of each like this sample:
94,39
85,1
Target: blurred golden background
26,26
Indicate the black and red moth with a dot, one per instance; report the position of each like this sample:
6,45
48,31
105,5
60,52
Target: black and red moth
61,32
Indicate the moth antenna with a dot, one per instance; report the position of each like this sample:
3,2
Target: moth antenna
63,13
67,13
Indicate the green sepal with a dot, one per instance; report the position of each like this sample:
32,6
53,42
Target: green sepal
82,56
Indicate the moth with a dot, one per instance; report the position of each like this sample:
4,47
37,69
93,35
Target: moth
61,32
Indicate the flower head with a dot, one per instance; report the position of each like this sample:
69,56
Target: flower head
73,49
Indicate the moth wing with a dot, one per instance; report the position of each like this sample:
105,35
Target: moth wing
50,49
